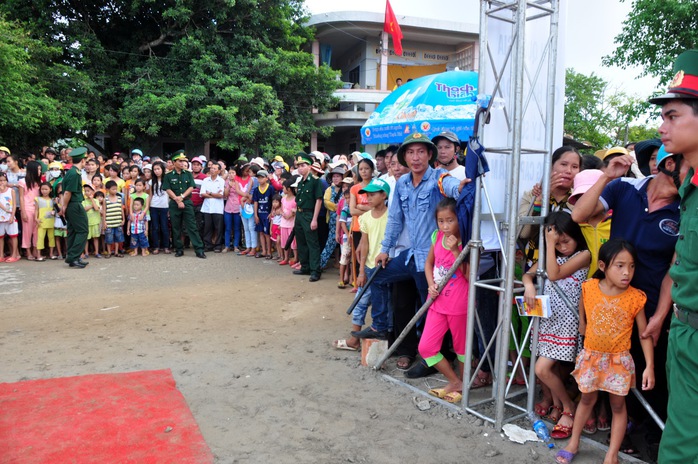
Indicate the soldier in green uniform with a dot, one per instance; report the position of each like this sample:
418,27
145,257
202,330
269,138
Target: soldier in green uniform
179,184
73,211
679,133
308,204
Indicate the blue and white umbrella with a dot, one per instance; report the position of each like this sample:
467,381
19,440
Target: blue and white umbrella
429,105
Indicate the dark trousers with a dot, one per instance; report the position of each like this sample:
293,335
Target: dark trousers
406,301
184,219
159,231
76,219
307,242
396,270
487,302
213,224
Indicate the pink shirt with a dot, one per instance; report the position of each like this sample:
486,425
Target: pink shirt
29,196
287,206
233,203
453,299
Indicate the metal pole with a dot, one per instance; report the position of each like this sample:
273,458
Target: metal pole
361,292
512,208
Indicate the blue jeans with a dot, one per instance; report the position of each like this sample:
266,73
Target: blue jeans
233,224
160,232
250,234
395,271
358,315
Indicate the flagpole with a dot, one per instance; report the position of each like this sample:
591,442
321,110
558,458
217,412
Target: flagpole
385,47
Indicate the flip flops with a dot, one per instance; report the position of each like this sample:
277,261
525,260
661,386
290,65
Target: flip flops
590,427
483,379
564,457
438,392
602,424
342,345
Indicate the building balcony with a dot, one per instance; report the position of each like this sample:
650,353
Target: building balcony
355,106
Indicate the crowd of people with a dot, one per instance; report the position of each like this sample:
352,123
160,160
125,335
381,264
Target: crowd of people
620,253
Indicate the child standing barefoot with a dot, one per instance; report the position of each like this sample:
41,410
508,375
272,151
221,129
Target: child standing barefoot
449,311
607,310
94,220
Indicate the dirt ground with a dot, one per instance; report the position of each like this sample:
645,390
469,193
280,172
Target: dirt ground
249,345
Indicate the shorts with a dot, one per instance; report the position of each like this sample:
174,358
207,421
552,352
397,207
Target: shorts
113,235
60,232
345,257
9,229
139,241
93,231
275,231
264,226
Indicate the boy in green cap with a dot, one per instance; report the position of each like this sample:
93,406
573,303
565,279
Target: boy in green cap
679,134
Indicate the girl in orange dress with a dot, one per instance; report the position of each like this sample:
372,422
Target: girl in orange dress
607,310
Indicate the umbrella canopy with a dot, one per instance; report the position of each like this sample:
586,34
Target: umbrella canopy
430,105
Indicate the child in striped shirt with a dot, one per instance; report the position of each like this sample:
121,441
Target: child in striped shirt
113,220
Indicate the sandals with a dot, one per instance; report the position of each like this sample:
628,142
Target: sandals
562,432
564,457
404,362
438,392
552,416
453,397
483,379
541,410
590,427
602,424
342,345
341,284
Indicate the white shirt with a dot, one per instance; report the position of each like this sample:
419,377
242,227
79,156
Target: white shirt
213,205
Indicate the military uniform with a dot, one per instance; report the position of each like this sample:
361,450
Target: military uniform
75,215
308,192
178,183
680,438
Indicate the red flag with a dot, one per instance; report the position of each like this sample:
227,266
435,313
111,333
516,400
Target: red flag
393,28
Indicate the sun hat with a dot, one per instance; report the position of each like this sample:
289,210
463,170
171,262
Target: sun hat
317,169
415,137
247,211
335,170
148,166
197,159
583,181
643,153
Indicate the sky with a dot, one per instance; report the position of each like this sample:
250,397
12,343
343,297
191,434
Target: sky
589,31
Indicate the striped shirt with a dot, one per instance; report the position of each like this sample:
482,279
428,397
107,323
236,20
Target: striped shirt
113,213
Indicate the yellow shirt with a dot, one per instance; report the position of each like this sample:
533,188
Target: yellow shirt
374,228
595,237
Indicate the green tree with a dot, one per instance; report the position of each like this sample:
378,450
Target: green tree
596,114
653,34
36,103
235,72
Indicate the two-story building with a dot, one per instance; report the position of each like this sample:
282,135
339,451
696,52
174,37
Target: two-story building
353,42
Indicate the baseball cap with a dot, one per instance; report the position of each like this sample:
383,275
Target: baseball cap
376,185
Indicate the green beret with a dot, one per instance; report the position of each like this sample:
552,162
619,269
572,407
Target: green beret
78,153
415,137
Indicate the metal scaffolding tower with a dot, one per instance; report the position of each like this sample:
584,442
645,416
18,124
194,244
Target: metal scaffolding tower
521,77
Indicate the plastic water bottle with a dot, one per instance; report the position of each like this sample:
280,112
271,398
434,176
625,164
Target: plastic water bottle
541,429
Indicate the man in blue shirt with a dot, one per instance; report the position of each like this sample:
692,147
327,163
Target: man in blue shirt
412,208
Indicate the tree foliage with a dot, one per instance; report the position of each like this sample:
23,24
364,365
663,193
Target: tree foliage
654,34
231,71
596,114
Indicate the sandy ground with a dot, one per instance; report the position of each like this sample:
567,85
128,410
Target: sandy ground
249,345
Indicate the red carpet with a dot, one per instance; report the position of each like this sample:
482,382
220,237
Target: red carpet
104,418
